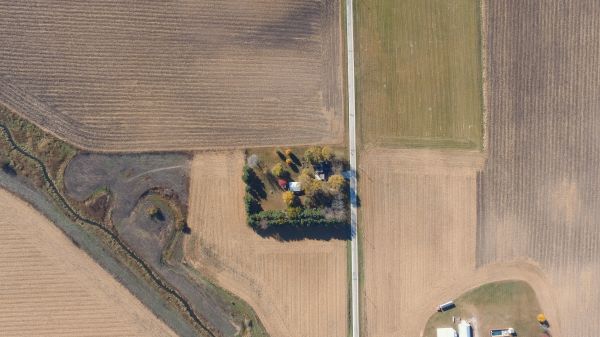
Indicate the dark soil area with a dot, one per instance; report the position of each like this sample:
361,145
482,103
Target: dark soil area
127,178
148,204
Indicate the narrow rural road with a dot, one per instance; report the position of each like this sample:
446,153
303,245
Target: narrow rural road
353,186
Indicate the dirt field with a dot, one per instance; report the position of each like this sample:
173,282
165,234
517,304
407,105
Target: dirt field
48,287
419,221
127,177
419,73
147,75
540,187
296,288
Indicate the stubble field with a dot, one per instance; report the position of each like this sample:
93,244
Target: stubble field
419,221
539,194
419,73
149,76
296,288
49,287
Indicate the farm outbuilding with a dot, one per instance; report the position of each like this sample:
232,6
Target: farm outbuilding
464,329
446,332
295,186
282,183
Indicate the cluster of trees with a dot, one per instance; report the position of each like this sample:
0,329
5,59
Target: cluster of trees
316,154
295,216
318,192
255,190
324,202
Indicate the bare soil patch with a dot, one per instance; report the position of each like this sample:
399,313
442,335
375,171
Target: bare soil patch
296,288
126,178
149,195
49,287
148,76
539,194
418,219
419,223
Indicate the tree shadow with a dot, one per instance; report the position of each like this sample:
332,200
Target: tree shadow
257,187
295,159
354,198
294,167
280,155
291,233
9,169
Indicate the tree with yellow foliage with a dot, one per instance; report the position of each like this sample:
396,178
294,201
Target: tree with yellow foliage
326,153
288,197
277,170
336,182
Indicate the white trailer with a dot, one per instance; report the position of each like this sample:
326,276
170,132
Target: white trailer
445,306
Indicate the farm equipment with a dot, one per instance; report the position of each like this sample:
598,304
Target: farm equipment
502,332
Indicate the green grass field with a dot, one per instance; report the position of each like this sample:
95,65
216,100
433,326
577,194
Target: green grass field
499,305
419,73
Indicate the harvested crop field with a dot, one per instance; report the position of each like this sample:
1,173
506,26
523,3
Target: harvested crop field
49,287
418,211
147,75
419,73
297,288
419,222
541,186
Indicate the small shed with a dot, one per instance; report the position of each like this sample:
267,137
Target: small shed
295,186
282,183
446,332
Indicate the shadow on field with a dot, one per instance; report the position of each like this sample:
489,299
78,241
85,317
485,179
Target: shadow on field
290,233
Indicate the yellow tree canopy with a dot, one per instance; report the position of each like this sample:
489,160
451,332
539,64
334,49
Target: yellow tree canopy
336,182
288,197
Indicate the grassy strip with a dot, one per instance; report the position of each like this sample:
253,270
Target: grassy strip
495,305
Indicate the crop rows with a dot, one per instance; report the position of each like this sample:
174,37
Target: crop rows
296,288
49,287
539,195
158,76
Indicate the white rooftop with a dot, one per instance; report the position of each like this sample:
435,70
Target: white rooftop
446,332
295,186
464,329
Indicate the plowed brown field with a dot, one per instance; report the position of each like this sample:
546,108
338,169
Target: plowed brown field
296,288
48,287
155,75
540,191
419,223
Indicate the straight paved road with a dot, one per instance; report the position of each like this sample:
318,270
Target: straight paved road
353,186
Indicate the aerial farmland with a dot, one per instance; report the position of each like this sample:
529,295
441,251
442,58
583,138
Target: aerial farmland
419,73
298,288
540,186
151,76
188,168
525,209
66,293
